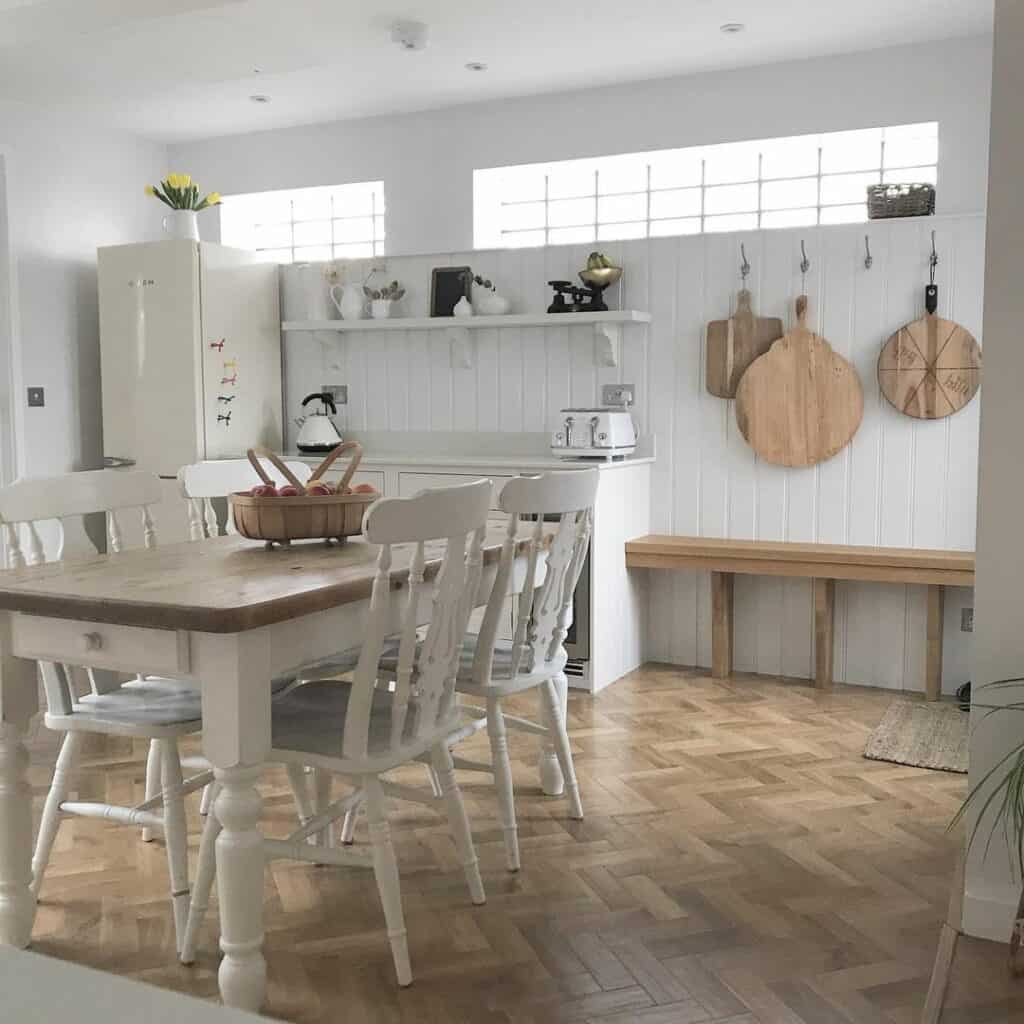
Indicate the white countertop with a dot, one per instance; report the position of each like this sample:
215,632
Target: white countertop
448,450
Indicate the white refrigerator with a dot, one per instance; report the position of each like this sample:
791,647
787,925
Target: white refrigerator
190,351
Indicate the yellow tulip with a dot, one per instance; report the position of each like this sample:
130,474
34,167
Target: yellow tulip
150,191
186,180
213,198
171,181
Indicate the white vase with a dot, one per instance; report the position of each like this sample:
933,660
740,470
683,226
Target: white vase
352,304
462,308
487,302
380,309
182,224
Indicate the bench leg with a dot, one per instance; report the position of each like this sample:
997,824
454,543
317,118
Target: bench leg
721,624
824,630
933,644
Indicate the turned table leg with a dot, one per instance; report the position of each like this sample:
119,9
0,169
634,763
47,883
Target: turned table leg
933,643
824,631
234,672
721,624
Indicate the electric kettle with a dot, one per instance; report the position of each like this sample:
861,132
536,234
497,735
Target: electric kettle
317,432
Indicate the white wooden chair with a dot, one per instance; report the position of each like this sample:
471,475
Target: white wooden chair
362,730
159,709
493,669
203,482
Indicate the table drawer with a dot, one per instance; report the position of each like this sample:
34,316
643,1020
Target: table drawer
101,645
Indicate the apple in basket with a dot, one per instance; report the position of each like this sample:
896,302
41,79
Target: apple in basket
264,491
319,489
290,491
364,489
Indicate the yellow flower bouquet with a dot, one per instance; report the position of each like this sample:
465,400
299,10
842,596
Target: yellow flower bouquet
180,193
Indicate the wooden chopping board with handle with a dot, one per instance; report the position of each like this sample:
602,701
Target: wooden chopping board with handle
735,343
930,368
801,402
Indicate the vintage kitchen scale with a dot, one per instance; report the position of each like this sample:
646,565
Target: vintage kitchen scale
585,298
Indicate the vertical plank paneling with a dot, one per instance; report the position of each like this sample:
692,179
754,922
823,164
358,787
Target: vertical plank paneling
899,482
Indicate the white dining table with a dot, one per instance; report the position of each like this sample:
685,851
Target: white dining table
225,613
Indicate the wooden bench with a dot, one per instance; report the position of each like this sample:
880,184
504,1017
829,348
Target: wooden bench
822,563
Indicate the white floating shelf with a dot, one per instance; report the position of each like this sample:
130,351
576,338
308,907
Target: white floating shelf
607,329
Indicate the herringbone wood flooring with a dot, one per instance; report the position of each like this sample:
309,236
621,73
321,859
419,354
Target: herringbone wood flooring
740,862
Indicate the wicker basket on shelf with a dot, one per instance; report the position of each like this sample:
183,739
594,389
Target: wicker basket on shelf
282,519
915,200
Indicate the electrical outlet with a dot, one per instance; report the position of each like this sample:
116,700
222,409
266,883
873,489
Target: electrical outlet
966,620
36,398
623,395
339,392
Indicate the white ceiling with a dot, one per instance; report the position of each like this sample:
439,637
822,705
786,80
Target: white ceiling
181,69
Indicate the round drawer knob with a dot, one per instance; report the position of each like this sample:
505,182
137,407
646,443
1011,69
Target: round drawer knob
93,641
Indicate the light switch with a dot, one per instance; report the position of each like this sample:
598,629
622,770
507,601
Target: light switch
36,398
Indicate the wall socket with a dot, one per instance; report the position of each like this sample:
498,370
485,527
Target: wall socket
621,395
36,397
339,392
966,620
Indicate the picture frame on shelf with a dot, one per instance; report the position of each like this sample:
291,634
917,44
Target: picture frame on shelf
447,286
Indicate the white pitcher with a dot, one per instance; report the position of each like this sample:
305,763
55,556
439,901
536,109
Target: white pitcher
352,304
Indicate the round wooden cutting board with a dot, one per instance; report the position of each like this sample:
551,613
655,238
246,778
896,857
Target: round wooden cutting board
801,402
930,368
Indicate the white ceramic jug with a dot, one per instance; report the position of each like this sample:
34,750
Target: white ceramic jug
352,304
182,224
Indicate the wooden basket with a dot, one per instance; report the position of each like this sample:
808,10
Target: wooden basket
900,201
307,516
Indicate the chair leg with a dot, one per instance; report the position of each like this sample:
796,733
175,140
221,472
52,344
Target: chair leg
206,800
556,720
552,782
205,871
152,781
435,782
444,769
503,781
175,836
300,794
63,774
385,869
348,825
321,800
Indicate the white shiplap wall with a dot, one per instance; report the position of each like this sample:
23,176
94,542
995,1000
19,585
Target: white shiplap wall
900,483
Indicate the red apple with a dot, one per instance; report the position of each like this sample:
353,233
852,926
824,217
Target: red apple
264,491
364,489
319,488
290,491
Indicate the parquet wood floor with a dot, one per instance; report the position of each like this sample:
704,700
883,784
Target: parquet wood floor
740,863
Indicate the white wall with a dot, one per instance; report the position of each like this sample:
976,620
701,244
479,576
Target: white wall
902,482
426,160
991,889
71,187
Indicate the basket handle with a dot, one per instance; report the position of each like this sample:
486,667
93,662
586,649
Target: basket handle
346,446
255,454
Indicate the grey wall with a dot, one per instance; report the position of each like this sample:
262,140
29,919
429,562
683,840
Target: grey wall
426,160
71,187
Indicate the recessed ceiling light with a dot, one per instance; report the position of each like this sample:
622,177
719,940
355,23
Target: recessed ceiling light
259,98
476,65
732,27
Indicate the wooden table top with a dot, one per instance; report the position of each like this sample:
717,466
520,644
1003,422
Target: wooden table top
220,585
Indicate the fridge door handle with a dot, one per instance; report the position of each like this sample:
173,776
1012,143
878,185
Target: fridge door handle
117,462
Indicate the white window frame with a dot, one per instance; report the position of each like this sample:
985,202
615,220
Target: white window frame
487,193
336,197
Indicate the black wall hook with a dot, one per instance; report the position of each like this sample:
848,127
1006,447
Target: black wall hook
869,260
744,265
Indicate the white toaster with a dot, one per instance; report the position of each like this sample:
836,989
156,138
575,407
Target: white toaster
594,434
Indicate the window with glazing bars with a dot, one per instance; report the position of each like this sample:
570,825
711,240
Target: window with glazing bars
785,182
296,225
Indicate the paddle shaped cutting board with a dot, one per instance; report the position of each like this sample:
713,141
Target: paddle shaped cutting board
930,368
800,402
735,343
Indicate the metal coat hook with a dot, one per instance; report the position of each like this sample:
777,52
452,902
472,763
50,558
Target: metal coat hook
745,265
869,260
805,265
933,262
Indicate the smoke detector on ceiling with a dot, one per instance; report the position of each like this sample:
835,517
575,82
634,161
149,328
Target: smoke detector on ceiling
409,35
